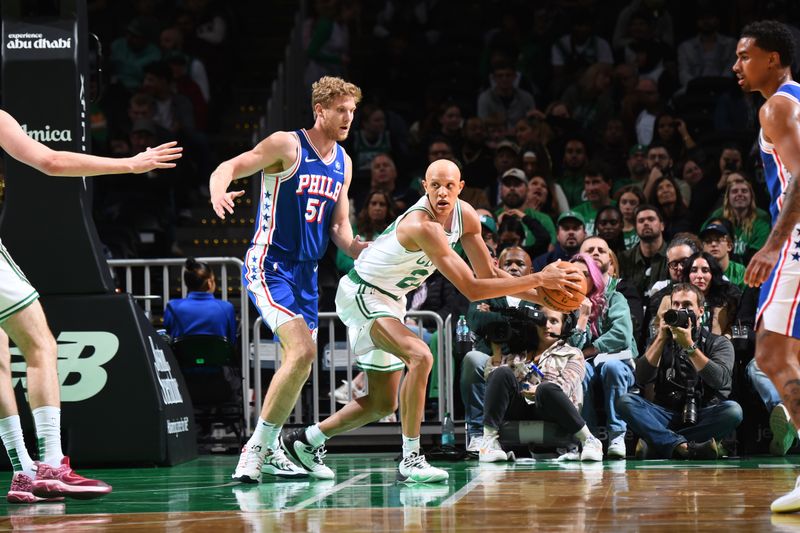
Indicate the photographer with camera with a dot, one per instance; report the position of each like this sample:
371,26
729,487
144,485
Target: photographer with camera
691,369
539,380
480,317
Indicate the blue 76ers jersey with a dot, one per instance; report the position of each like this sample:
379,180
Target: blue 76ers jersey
775,174
779,298
296,205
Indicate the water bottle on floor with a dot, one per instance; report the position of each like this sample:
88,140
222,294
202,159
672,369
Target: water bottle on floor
448,432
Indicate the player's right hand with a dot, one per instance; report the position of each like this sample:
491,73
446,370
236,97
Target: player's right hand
761,265
224,202
561,276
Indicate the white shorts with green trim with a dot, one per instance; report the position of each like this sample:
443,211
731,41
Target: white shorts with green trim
358,306
16,292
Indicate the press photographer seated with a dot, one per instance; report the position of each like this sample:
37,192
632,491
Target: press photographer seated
691,369
481,316
540,380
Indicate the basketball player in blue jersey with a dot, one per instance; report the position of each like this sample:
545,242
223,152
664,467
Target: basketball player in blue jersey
22,319
305,176
764,57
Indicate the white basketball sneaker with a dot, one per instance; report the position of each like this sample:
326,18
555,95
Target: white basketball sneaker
415,469
305,455
616,447
492,452
277,464
788,503
592,449
248,470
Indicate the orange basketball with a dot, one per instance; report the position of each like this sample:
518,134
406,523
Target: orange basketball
558,300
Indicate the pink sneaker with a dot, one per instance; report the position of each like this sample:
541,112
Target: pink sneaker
21,490
63,481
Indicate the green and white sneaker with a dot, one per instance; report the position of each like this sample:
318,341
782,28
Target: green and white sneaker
277,464
305,455
415,469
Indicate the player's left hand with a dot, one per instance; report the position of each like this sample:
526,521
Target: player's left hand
357,246
760,266
158,157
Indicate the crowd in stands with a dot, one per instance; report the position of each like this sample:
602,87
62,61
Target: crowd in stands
165,71
613,136
610,134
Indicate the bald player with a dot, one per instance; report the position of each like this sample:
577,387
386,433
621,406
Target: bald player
371,301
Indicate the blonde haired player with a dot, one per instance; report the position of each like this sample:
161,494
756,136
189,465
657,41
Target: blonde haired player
371,302
22,318
305,177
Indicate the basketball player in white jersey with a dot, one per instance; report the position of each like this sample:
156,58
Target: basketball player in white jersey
371,302
764,57
22,318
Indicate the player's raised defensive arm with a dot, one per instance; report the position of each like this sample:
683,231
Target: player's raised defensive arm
274,154
73,164
779,119
341,231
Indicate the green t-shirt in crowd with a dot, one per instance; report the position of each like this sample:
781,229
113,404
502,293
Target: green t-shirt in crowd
589,213
735,274
543,219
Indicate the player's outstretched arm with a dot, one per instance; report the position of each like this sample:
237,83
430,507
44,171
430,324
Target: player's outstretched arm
65,164
430,237
779,119
341,231
563,276
274,154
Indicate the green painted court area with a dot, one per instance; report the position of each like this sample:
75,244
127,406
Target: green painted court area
362,481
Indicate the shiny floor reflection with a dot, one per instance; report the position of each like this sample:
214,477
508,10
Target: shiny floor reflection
613,496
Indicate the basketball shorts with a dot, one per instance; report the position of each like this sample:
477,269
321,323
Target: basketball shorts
16,292
358,306
283,291
779,299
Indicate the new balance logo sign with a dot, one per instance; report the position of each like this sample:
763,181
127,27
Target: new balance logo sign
81,355
170,392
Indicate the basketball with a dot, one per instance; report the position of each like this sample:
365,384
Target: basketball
559,300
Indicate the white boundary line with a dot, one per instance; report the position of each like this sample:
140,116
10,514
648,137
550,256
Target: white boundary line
336,488
480,479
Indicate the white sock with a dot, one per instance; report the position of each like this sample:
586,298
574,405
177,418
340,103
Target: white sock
47,420
490,432
583,434
265,435
11,433
315,436
410,445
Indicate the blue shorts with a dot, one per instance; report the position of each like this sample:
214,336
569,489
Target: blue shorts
282,290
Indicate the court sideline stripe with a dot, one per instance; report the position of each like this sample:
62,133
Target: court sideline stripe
336,488
482,478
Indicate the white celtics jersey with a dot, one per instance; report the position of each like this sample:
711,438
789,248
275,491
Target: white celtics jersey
387,266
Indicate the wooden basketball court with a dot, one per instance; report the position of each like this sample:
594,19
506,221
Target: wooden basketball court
729,495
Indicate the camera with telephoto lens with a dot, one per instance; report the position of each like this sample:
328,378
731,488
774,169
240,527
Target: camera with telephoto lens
690,408
517,329
680,318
